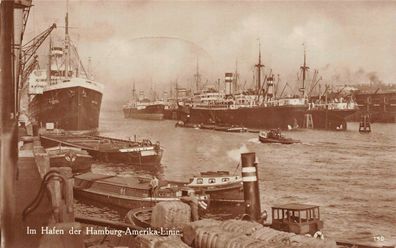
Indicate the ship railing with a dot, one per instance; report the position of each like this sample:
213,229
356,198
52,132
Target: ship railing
334,106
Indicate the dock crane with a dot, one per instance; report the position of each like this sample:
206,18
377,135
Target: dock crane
29,51
29,69
314,82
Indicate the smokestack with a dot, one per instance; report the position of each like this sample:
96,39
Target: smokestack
228,82
250,185
270,85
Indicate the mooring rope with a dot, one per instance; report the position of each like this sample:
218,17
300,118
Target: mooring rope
36,201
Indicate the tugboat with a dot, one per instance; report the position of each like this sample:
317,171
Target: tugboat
275,136
221,186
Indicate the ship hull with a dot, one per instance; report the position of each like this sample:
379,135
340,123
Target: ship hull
330,119
257,117
149,159
170,114
70,108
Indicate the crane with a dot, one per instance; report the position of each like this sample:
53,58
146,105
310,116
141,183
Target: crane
29,50
32,66
314,82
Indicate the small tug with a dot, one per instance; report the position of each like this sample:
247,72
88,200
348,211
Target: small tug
275,136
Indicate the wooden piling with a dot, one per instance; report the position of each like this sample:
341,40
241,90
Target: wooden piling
61,190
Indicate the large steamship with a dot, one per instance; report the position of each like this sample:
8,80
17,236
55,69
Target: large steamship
254,109
143,108
262,109
63,96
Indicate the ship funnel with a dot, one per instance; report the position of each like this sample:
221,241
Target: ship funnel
141,95
250,185
228,79
270,85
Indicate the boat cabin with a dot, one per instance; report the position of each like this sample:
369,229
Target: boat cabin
271,134
214,178
296,218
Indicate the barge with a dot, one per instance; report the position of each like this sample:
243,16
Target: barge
127,192
107,149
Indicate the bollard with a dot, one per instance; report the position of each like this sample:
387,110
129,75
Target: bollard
68,213
250,185
61,191
42,161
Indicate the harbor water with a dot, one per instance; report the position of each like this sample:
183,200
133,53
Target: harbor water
351,176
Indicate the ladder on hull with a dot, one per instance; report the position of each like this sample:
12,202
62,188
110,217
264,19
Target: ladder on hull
308,121
364,125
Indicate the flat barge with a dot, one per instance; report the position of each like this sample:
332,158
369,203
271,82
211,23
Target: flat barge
137,153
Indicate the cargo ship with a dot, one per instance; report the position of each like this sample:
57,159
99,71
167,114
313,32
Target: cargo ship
261,108
144,108
252,109
64,96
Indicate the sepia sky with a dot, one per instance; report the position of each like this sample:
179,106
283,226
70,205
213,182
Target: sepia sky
158,42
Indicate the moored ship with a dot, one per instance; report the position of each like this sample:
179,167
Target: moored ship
324,112
262,108
143,108
64,96
251,109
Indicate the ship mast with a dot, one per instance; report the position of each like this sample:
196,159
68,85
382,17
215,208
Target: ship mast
67,42
133,91
236,86
258,66
197,77
304,68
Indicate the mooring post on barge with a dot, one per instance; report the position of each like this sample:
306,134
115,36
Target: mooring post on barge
250,186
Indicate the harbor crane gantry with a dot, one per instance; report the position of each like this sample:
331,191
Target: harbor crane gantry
29,50
29,69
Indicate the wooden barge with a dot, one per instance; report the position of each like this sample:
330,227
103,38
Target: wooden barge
107,149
